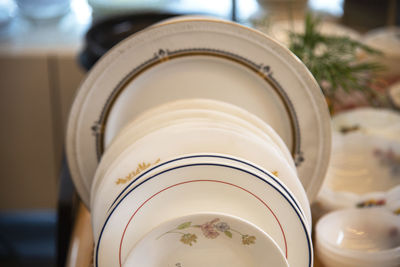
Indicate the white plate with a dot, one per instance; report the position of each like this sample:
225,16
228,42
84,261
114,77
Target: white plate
213,105
181,139
166,117
189,189
200,58
302,205
206,239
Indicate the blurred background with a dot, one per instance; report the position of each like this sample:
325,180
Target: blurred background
46,48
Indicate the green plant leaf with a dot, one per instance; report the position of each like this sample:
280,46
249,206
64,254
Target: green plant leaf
228,234
333,60
184,225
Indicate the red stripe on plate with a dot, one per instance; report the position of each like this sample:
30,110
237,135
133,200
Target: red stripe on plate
194,181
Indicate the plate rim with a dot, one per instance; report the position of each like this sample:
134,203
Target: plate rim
311,90
290,182
206,156
301,220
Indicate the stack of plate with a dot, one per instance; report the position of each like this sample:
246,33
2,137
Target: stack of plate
365,165
199,142
362,191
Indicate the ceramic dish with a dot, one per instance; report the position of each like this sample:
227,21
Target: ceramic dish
212,105
139,129
168,114
206,239
386,40
332,200
197,188
179,111
394,95
303,207
365,164
280,30
380,122
352,238
200,58
151,122
181,139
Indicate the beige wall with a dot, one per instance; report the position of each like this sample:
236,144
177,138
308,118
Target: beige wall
35,95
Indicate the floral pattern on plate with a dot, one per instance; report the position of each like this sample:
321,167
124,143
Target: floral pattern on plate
210,230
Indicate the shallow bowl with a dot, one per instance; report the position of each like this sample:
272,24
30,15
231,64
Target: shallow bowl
354,237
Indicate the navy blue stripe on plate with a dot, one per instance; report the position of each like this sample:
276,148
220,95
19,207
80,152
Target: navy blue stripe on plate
310,254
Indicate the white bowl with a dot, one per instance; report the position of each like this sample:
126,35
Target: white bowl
372,121
354,237
206,239
43,9
363,163
364,168
394,95
386,40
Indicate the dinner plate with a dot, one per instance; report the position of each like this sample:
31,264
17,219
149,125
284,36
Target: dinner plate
206,239
298,199
196,188
187,137
176,140
201,104
200,58
146,124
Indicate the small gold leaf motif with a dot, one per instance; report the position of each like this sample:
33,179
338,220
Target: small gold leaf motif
140,168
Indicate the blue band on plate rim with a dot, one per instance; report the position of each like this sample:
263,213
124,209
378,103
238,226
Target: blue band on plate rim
310,254
207,156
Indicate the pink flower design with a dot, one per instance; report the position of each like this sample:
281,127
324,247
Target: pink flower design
209,230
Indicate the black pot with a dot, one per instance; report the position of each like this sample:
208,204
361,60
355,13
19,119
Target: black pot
104,34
